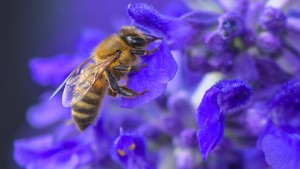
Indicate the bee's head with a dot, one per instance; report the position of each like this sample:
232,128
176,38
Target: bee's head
133,36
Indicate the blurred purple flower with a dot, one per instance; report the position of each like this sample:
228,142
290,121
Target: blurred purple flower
129,150
47,112
231,25
273,19
286,101
63,149
281,145
268,42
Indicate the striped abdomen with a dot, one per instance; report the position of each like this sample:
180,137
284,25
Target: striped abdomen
85,111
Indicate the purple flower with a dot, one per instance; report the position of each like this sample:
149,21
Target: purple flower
161,68
273,19
42,114
224,97
243,64
286,101
268,42
215,42
63,149
281,145
130,151
45,70
178,32
231,25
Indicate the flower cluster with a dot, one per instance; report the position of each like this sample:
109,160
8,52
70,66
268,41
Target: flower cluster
224,92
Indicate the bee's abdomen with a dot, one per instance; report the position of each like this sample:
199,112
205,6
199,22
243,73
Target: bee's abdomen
85,111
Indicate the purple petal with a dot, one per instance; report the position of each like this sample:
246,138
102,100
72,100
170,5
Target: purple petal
281,146
222,61
177,32
256,118
172,125
253,154
270,72
231,25
175,9
161,67
245,68
240,6
234,94
185,160
188,137
215,42
88,40
201,19
224,97
254,12
293,24
180,105
268,42
208,121
130,151
53,71
287,100
26,151
273,19
47,112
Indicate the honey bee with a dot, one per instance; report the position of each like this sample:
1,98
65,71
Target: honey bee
110,61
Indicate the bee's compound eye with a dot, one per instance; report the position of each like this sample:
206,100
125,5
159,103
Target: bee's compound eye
135,41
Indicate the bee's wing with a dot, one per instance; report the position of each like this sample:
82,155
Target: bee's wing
77,86
74,73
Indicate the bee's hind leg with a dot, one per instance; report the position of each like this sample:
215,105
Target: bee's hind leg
122,90
127,92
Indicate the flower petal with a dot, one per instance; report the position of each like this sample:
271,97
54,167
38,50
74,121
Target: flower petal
130,151
52,71
286,101
177,32
268,42
161,67
242,66
215,42
47,112
281,146
273,19
270,72
224,97
231,25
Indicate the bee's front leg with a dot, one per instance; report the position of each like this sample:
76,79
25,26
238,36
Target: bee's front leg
122,90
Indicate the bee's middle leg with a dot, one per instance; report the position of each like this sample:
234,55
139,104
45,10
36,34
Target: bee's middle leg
129,68
122,90
141,52
111,92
